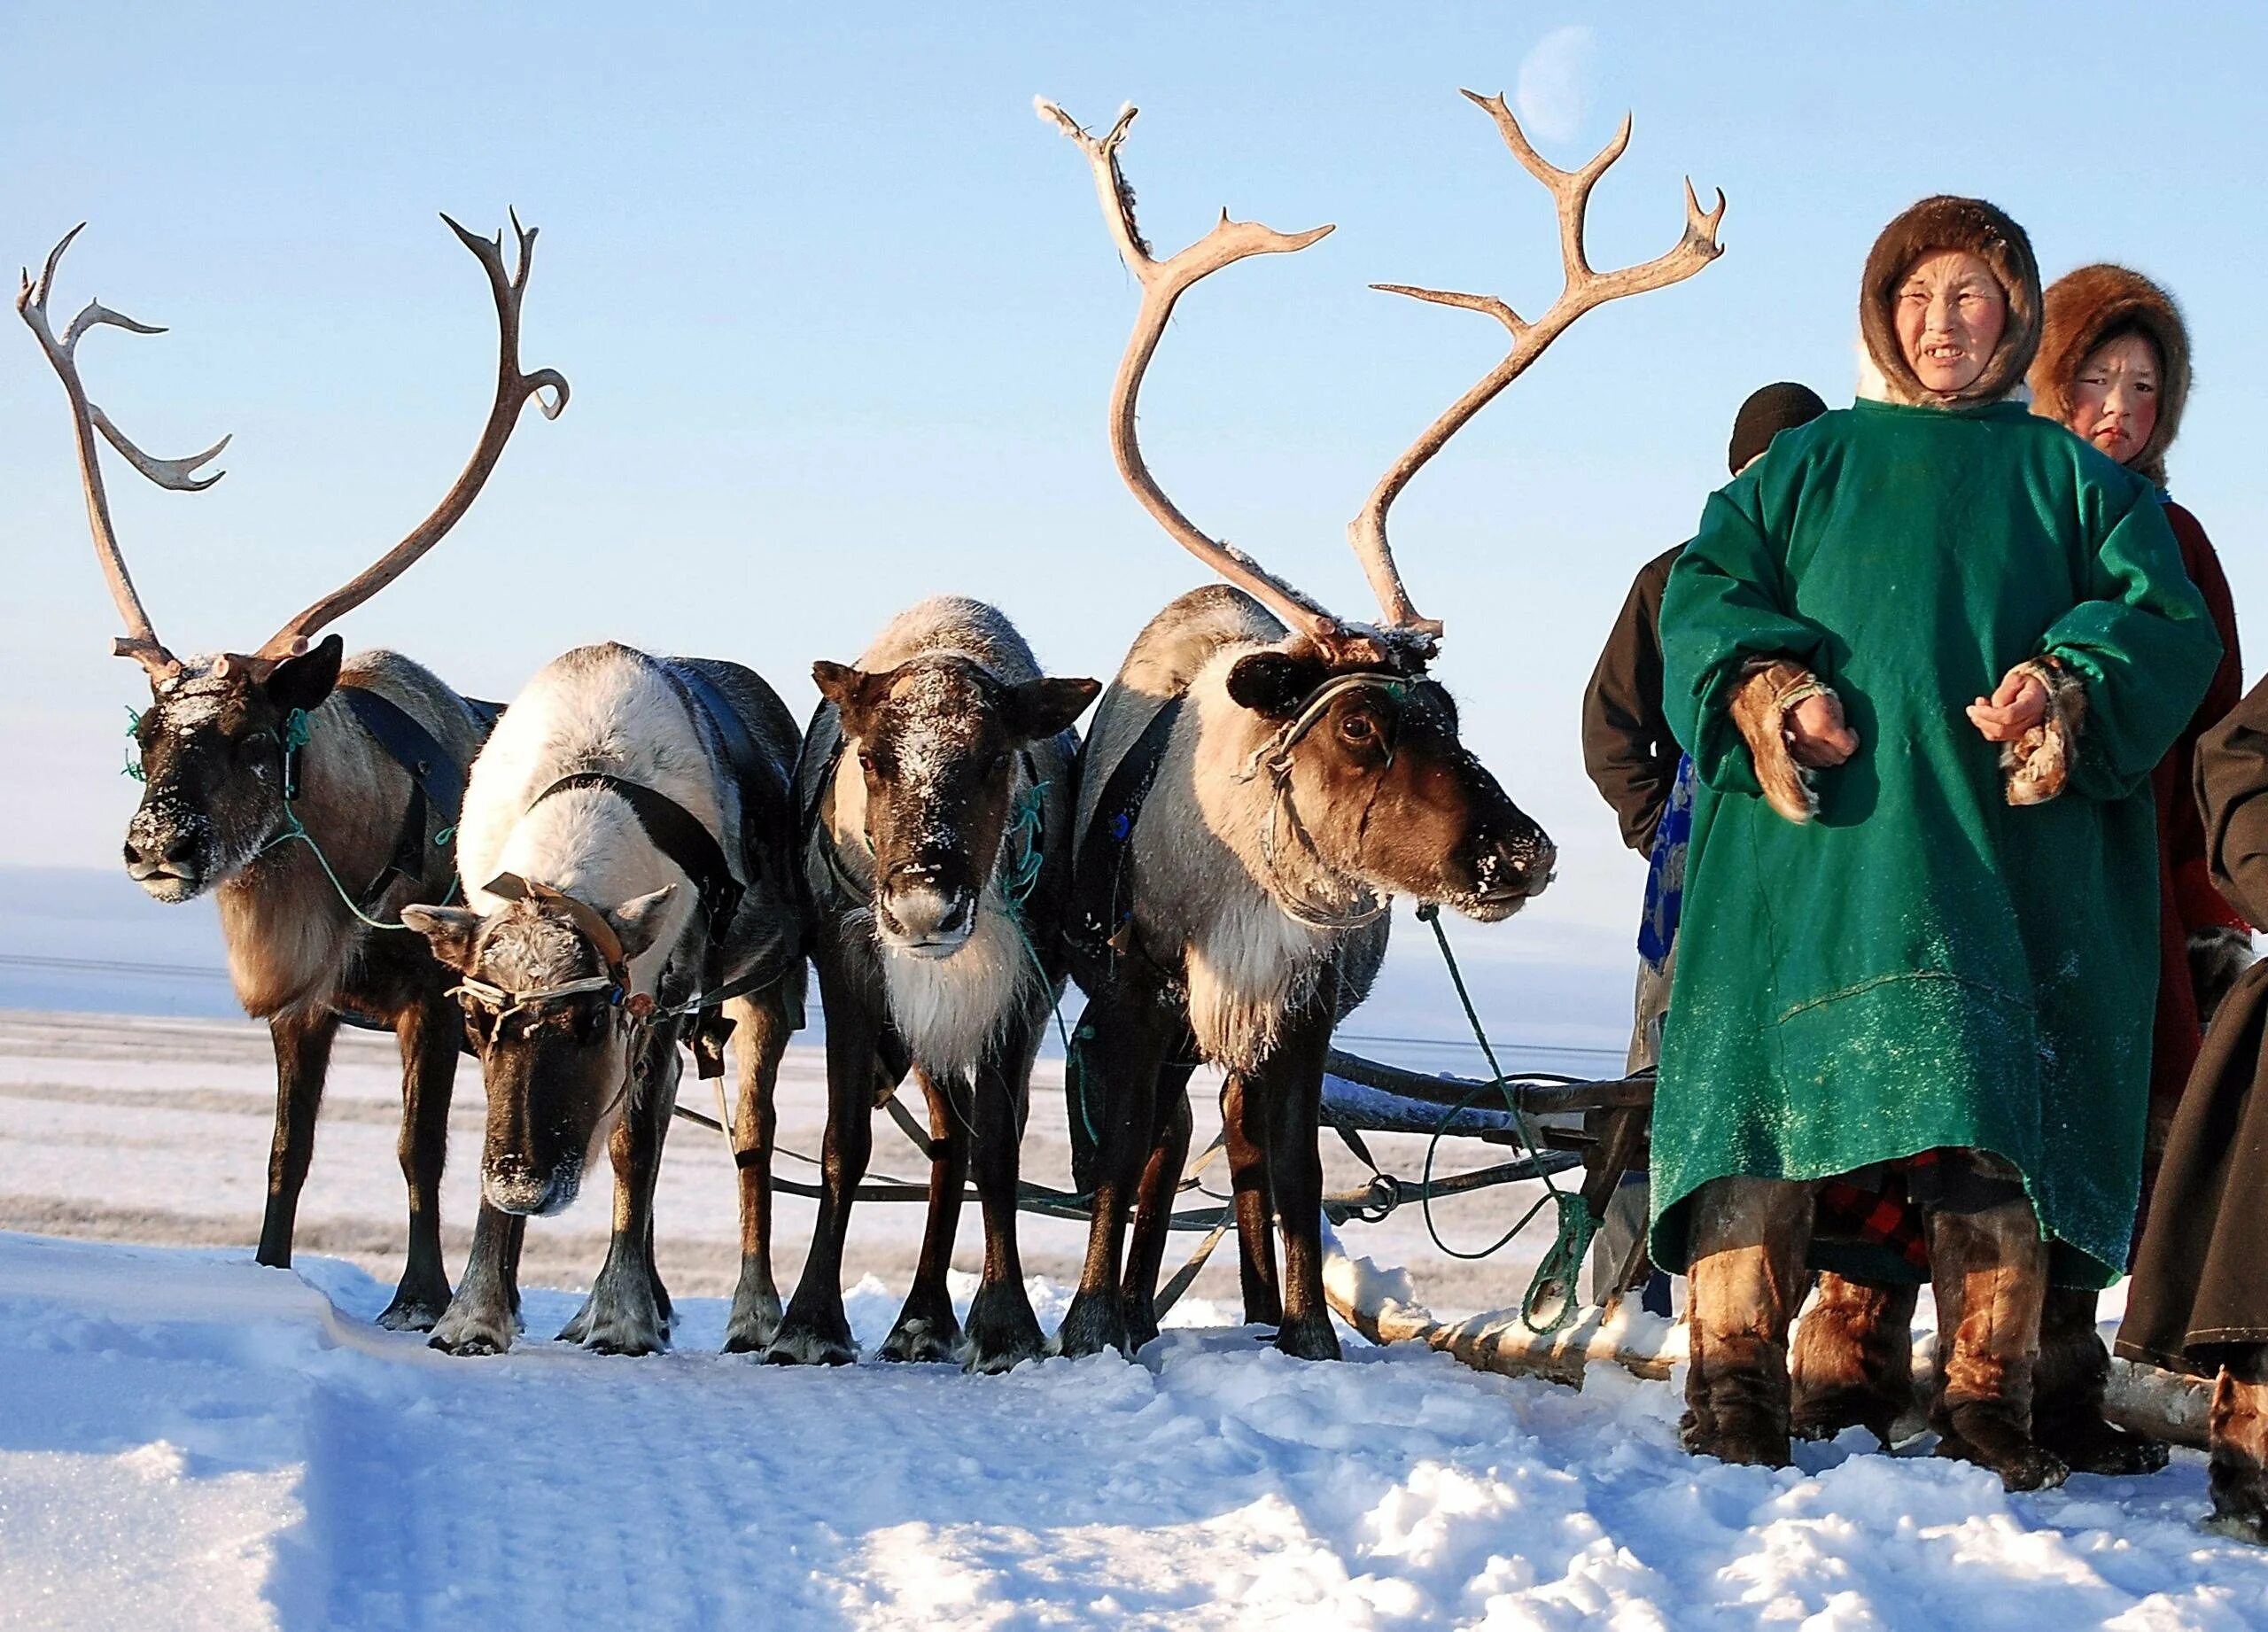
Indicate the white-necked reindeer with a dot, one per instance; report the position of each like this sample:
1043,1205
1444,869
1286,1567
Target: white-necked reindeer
627,846
1252,798
284,779
935,801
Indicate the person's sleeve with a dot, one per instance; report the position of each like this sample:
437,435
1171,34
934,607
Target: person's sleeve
2232,797
1728,603
1622,721
2143,645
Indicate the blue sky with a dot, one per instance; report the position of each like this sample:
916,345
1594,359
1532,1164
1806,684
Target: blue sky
841,316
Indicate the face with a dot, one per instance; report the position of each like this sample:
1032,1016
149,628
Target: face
937,740
2115,399
556,1071
1390,796
212,752
1950,310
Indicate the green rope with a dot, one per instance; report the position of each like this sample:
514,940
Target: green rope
1563,1260
298,725
133,767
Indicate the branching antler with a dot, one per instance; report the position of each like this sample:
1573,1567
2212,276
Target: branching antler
1584,289
512,389
1163,282
140,641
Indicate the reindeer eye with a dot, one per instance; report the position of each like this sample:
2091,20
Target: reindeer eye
1357,728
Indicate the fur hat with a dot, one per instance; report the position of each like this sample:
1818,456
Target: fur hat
1946,222
2084,308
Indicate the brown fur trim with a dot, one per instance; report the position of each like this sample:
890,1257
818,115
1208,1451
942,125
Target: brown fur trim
2081,308
1760,710
1852,1364
2237,1438
1946,222
2037,765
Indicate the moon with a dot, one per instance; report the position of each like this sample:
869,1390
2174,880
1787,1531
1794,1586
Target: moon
1554,81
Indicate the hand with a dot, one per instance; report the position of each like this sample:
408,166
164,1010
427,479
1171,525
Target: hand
2020,703
1816,735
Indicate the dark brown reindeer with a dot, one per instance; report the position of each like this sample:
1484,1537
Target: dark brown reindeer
1255,790
283,779
935,793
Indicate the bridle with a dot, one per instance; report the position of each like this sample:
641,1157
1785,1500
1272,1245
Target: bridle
631,1009
1274,757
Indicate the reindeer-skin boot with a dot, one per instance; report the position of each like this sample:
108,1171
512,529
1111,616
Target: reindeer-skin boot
2237,1435
2068,1389
1749,1236
1853,1366
1989,1268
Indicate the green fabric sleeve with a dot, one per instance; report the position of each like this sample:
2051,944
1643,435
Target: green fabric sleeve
2146,645
1725,604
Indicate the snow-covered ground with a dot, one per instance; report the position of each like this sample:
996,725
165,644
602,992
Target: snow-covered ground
189,1440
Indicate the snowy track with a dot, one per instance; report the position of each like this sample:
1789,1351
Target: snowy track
194,1442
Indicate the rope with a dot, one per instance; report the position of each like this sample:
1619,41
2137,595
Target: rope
1563,1260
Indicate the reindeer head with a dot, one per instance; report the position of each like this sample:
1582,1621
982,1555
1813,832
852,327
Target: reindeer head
546,991
1369,780
1369,775
218,750
937,740
217,741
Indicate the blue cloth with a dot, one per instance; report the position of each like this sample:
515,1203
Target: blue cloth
1666,871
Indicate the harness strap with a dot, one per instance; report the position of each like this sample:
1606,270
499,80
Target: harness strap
1099,927
436,785
677,834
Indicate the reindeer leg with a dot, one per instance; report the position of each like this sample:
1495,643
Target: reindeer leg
1291,1085
1256,1207
927,1328
816,1332
302,1041
428,1035
484,1317
1131,1035
625,1312
1003,1331
1146,1257
760,1032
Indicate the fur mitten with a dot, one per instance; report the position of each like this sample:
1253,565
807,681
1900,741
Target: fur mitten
2037,765
1768,690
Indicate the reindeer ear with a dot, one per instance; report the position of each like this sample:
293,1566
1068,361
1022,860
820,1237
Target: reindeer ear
853,691
1275,683
449,930
304,681
1038,710
637,921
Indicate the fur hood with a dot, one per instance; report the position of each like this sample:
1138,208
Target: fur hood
2084,308
1946,222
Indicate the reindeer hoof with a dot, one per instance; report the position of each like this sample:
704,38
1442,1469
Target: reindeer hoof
411,1312
805,1341
1309,1337
1003,1332
474,1332
1094,1323
922,1339
754,1323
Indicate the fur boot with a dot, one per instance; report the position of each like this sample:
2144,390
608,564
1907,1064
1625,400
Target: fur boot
2074,1370
2237,1432
1749,1236
1853,1360
1989,1269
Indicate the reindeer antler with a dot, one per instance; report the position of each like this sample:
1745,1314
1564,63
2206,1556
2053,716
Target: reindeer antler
1163,282
513,391
1571,192
140,641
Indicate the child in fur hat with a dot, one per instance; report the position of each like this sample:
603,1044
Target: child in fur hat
1913,955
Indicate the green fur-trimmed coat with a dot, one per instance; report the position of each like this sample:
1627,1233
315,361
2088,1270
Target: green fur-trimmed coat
1922,965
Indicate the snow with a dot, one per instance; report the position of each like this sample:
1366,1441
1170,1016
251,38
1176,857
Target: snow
187,1439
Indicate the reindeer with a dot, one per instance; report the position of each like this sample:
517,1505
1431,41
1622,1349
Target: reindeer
934,797
313,795
1255,790
629,817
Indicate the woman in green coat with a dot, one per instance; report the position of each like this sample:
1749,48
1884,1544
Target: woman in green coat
1924,659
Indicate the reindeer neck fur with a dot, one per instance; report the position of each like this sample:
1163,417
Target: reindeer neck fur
1204,886
599,708
949,1010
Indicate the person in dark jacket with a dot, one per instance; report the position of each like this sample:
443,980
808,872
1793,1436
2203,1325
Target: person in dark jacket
1640,771
2199,1301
